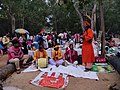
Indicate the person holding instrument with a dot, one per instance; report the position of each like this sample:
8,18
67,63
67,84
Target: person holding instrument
40,53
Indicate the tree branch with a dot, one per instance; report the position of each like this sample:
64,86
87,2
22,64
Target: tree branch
80,16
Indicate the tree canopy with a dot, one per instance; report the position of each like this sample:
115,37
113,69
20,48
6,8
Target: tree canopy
58,16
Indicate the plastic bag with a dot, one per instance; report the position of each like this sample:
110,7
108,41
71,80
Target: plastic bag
100,60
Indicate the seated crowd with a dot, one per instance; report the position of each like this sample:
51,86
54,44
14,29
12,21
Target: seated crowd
16,55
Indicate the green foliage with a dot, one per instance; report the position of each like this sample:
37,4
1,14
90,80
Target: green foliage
63,17
112,15
32,11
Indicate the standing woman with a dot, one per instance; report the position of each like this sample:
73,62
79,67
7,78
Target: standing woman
87,48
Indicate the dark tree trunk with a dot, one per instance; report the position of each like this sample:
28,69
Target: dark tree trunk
6,71
80,16
22,24
56,29
93,20
13,23
102,27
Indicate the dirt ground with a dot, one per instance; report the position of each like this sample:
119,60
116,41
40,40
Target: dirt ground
3,60
22,81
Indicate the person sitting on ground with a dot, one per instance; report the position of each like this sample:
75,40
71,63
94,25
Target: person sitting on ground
21,39
71,55
5,41
24,47
29,44
15,55
40,53
38,40
57,57
1,46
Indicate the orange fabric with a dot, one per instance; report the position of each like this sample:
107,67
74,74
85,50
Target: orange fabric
38,54
86,23
87,48
58,54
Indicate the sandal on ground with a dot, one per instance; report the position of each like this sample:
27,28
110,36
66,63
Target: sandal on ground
25,66
87,69
63,64
18,71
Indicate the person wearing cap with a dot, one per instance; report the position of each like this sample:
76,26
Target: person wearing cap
57,57
40,53
87,48
71,55
15,54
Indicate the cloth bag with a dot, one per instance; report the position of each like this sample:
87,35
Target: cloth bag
42,62
100,59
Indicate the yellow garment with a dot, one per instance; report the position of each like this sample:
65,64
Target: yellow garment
38,54
5,40
57,54
56,46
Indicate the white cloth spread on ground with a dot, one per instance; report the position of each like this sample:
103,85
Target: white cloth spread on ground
31,68
73,70
76,71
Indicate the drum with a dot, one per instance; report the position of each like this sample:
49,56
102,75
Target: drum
42,62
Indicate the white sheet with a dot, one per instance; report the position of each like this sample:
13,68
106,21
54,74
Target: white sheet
77,71
31,68
102,64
